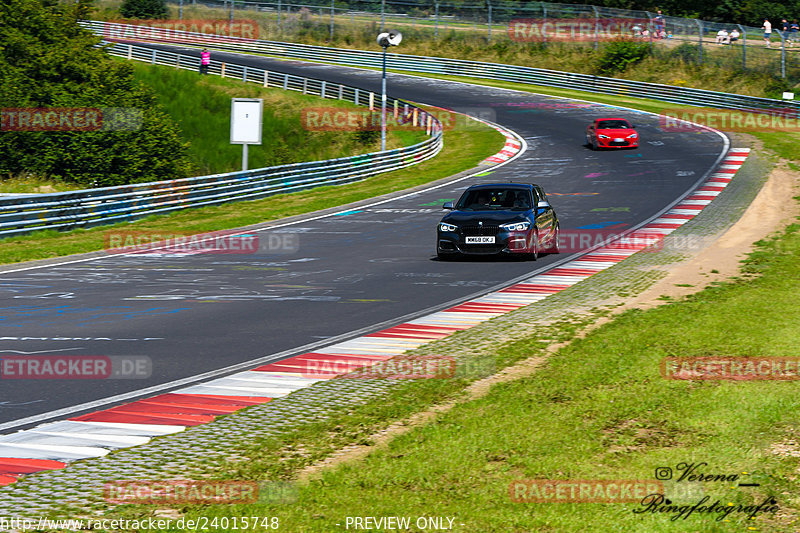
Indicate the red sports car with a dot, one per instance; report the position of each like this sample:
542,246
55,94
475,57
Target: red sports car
611,133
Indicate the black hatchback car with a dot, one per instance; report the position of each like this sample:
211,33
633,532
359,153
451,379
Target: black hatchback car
499,218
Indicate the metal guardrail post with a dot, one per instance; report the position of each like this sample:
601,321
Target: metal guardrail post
744,46
436,27
489,5
331,37
699,41
783,54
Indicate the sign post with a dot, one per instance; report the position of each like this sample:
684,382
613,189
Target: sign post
246,123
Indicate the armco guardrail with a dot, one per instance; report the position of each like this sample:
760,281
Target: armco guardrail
91,207
447,66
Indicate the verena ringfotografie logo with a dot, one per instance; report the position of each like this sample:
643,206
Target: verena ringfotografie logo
400,367
70,119
738,120
75,367
731,368
576,29
215,242
582,490
149,30
180,492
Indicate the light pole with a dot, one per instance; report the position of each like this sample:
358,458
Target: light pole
386,39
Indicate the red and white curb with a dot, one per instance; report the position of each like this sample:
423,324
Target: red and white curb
54,445
510,149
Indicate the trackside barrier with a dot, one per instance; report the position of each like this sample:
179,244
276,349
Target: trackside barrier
449,66
92,207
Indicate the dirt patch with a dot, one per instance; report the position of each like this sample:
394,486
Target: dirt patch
773,208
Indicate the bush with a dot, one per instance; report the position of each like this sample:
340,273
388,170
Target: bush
144,9
617,56
37,74
685,52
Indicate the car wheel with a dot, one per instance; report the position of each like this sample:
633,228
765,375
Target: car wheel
533,252
594,144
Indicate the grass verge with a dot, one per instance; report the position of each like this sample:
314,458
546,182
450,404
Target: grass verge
598,409
463,149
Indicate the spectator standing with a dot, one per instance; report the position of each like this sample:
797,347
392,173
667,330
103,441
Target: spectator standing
767,27
659,20
793,29
205,61
784,28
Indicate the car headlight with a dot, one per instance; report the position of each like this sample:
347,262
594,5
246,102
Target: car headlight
632,136
601,136
516,226
444,226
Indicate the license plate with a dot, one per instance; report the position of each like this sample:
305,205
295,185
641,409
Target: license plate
619,140
480,240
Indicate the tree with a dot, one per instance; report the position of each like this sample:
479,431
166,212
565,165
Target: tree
144,9
48,61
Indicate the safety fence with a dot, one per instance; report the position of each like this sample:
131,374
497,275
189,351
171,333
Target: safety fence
449,66
91,207
494,21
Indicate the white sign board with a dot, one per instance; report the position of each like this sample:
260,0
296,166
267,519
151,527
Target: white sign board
246,120
788,96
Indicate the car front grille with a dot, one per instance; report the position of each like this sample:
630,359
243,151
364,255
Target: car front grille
480,231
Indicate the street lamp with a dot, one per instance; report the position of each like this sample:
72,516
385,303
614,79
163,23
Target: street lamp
386,39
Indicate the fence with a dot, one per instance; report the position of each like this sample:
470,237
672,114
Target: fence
91,207
456,67
491,21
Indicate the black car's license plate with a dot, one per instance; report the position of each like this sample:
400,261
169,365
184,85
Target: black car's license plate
479,240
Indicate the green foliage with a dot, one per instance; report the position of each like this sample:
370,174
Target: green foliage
685,52
144,9
617,56
48,61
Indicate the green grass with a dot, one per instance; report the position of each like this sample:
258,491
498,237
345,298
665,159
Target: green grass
464,148
599,409
201,107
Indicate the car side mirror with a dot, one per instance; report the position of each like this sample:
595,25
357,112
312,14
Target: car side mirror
543,204
448,205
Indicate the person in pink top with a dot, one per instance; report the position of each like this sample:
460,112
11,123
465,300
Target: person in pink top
205,60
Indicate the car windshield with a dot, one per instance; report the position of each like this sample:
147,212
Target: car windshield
494,199
613,125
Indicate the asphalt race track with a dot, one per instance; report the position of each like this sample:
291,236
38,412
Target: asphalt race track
199,313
